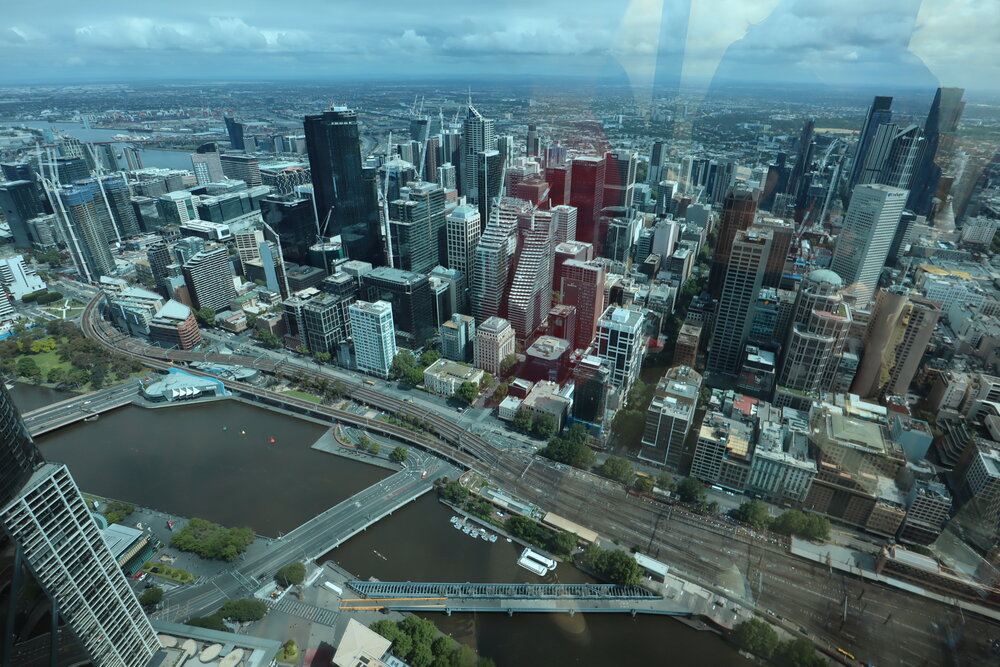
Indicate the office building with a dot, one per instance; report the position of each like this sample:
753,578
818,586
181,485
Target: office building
669,417
820,324
294,221
940,130
879,113
19,203
464,229
582,286
244,168
174,326
344,191
592,390
928,506
723,453
235,131
621,342
86,218
417,227
494,342
686,345
478,137
899,329
176,208
458,334
657,160
781,470
619,179
445,376
530,292
410,296
745,268
864,241
47,519
738,213
586,193
118,194
320,324
209,277
18,278
206,163
559,178
564,218
494,257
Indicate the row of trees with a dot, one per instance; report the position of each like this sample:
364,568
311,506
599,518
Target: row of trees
559,542
760,638
237,611
614,565
418,643
792,522
210,540
42,297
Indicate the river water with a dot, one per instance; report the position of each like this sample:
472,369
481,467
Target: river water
196,460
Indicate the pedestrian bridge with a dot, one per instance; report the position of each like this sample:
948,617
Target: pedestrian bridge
510,598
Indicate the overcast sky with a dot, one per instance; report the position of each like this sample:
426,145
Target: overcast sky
953,42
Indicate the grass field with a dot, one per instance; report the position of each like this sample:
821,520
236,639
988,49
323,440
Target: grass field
305,396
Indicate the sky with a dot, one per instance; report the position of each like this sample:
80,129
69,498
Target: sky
837,42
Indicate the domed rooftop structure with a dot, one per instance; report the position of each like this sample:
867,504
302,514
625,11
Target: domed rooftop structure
826,276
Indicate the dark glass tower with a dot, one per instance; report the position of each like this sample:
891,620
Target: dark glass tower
879,113
235,132
18,454
738,212
344,190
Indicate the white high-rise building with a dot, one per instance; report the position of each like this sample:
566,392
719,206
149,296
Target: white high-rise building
564,217
478,135
493,343
374,337
209,277
464,227
620,342
493,258
863,245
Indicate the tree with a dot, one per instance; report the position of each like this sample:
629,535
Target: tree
267,339
210,540
757,636
691,490
292,574
429,357
151,596
665,481
643,484
753,513
507,364
399,454
403,361
500,392
544,426
616,566
244,610
797,653
565,450
322,357
617,468
289,652
454,493
302,349
374,448
28,368
467,392
522,421
213,622
56,375
413,376
205,316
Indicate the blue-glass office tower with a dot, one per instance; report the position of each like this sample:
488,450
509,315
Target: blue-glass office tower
344,190
19,203
235,132
879,112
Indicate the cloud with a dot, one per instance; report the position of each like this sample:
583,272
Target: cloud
534,38
217,34
409,42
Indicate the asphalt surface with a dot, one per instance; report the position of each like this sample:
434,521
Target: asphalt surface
56,415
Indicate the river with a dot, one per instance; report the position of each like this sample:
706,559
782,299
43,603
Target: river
196,460
151,157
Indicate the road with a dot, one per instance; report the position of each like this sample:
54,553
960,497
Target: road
59,414
705,549
310,540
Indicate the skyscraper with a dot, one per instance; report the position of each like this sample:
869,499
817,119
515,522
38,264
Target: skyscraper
531,285
235,132
587,195
863,244
44,514
374,337
344,191
417,225
669,416
619,179
478,135
564,218
744,276
86,219
410,296
489,168
898,332
207,164
879,113
209,276
657,159
820,323
19,203
803,159
939,133
532,145
464,230
559,179
738,213
119,198
582,286
494,254
621,343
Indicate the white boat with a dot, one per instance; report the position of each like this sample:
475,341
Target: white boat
547,563
532,565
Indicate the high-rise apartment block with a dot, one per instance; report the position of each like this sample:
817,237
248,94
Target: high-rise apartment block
620,341
669,416
582,286
209,276
374,337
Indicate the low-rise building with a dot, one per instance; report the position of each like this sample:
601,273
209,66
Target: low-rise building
928,506
445,376
508,408
782,470
493,343
174,325
722,455
545,398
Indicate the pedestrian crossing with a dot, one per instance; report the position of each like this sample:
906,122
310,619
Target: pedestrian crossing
307,611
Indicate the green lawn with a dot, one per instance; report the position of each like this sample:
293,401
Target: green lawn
66,309
48,360
305,396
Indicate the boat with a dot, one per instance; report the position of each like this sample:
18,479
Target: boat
532,565
91,418
547,563
379,555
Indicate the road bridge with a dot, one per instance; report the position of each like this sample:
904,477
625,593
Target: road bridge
79,408
511,598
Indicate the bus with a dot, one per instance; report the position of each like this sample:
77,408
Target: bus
846,654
